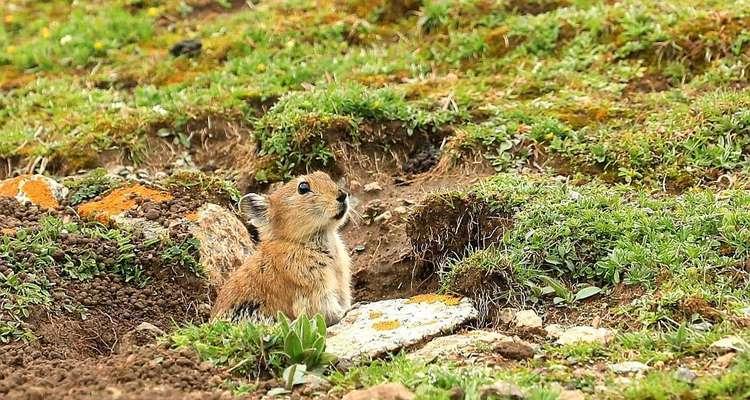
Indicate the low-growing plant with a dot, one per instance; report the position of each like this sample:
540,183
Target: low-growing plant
305,341
256,349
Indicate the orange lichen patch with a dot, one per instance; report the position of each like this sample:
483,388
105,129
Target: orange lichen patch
386,325
375,314
7,231
38,192
192,216
120,201
434,298
9,187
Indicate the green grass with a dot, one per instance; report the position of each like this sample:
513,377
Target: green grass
604,235
438,381
514,84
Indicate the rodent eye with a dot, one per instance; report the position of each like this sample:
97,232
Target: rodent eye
303,188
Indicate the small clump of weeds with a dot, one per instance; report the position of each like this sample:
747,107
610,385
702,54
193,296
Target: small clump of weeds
89,186
283,349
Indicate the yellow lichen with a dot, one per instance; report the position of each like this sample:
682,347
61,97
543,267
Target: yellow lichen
386,325
192,216
36,190
120,201
434,298
7,231
9,187
375,314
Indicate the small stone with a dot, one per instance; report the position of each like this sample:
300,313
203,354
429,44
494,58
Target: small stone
528,319
585,334
515,350
729,344
462,343
153,215
190,48
373,187
745,312
359,248
685,375
629,367
385,391
401,210
503,390
704,326
383,217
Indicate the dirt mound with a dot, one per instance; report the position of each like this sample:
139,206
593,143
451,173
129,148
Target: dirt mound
447,225
150,372
83,286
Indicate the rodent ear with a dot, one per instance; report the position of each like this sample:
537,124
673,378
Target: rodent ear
254,207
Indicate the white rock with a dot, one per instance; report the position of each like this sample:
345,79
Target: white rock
729,344
383,217
376,328
585,334
685,375
373,187
745,312
462,343
554,331
629,367
528,319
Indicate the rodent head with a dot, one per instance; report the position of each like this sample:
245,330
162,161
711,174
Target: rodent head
301,208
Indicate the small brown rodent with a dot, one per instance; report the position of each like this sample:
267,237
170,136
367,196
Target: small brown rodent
301,265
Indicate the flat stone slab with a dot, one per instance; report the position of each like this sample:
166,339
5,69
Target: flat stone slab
374,329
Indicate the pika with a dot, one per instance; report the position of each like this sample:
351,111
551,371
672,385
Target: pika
301,265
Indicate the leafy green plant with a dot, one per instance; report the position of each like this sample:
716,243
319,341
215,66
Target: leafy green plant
254,349
305,341
89,186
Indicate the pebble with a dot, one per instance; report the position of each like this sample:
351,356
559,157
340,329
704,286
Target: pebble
629,367
373,187
685,375
528,319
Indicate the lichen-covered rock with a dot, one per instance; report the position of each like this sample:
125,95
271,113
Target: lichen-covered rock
471,342
120,201
373,329
224,241
36,189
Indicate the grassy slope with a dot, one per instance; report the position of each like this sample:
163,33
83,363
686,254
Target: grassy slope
641,92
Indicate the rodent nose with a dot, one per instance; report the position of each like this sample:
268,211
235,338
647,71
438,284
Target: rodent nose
342,196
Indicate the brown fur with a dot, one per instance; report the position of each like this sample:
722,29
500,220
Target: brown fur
301,265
